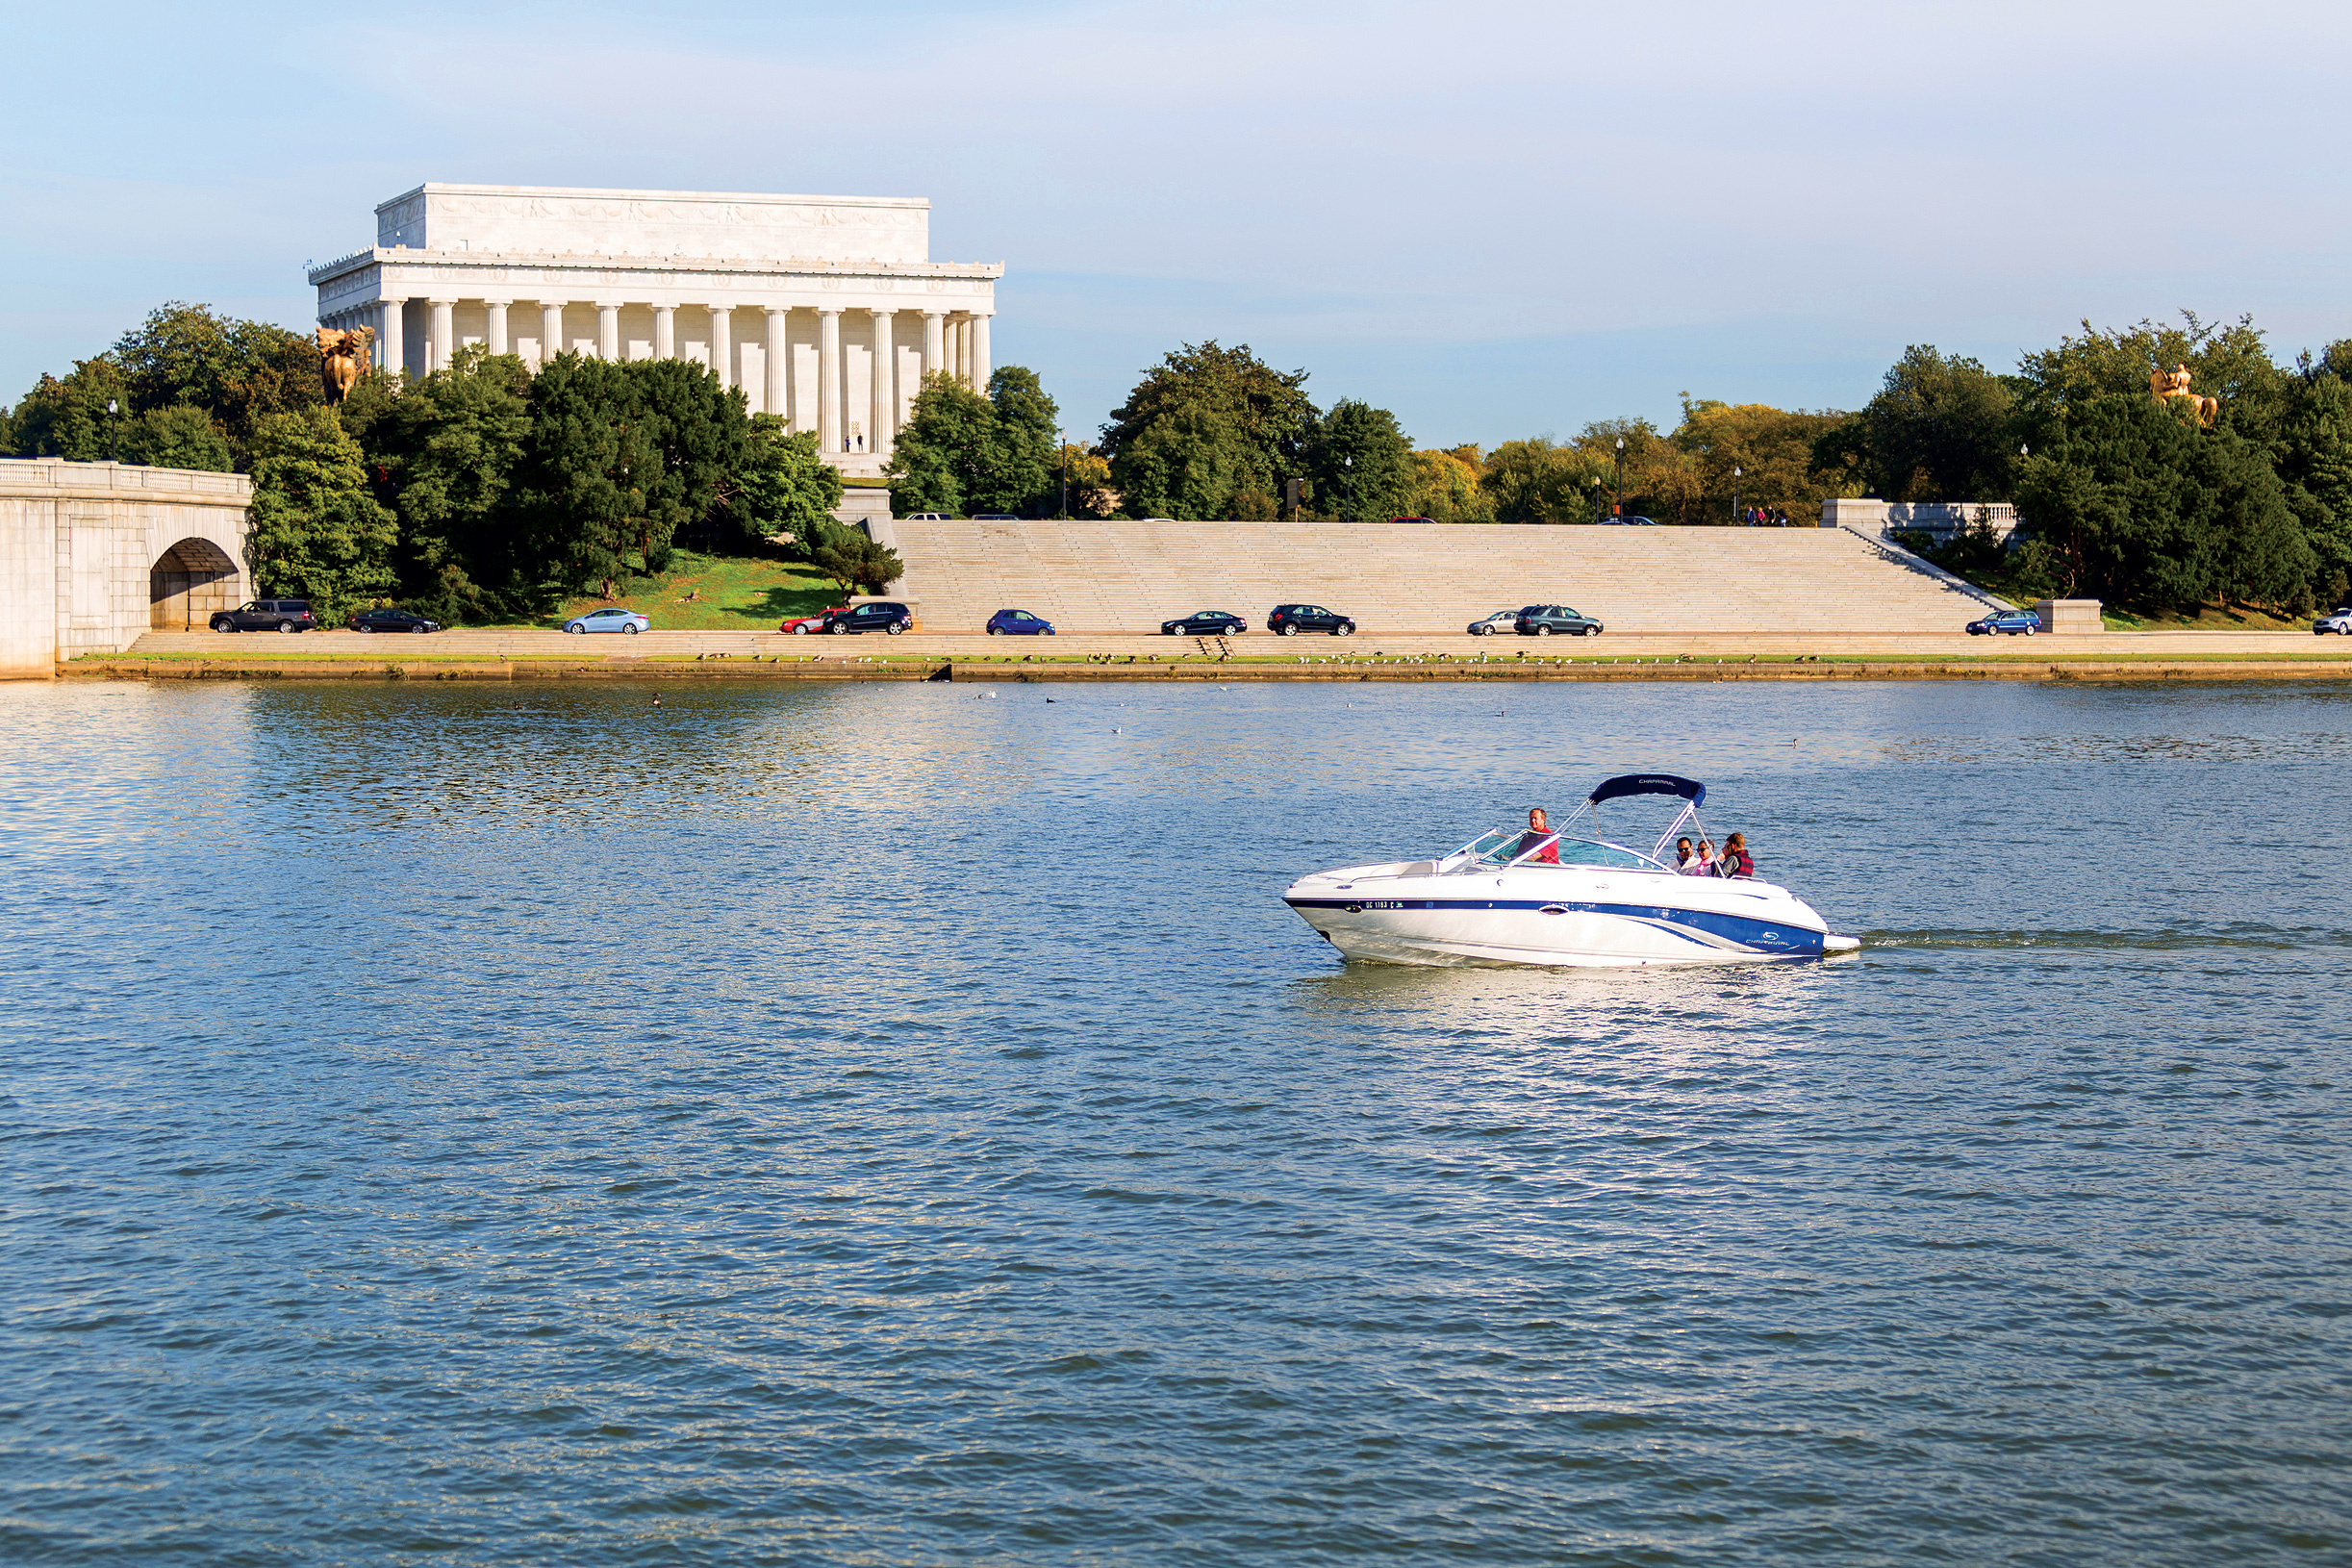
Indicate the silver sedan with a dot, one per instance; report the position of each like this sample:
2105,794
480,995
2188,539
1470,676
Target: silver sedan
609,620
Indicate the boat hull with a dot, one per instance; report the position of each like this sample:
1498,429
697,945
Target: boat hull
1568,917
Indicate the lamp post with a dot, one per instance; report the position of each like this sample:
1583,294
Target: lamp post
1349,463
1620,476
1597,483
1735,493
1065,440
113,430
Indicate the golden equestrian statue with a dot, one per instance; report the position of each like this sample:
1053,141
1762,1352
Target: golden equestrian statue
2174,383
344,355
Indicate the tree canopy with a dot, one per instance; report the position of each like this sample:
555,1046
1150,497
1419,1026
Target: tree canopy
1208,431
961,452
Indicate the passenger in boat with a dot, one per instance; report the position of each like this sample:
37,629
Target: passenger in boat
1685,859
1705,864
1538,830
1735,861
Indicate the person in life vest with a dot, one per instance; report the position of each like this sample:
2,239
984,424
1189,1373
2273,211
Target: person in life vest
1538,830
1735,861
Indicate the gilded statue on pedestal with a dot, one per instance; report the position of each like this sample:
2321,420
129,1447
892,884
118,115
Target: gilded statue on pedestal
2174,383
344,355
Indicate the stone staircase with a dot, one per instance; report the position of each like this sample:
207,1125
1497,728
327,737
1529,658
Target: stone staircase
1424,578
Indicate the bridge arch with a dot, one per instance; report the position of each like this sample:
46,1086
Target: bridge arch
191,580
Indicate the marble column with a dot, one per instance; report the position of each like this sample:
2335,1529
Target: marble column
550,330
884,428
963,349
777,398
608,331
723,345
934,342
664,332
443,339
494,325
828,383
979,353
389,341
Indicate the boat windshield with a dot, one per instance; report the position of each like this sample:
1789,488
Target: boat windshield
1492,852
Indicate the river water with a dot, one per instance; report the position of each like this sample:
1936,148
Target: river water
902,1124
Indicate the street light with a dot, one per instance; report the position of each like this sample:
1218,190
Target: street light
1349,463
113,429
1620,476
1735,493
1065,440
1597,483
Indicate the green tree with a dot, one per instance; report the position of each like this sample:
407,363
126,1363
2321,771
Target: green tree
444,453
943,458
316,531
1192,460
2136,505
178,435
853,561
1020,470
239,372
960,450
1359,461
1940,429
582,488
1538,480
1250,421
2315,462
67,417
786,488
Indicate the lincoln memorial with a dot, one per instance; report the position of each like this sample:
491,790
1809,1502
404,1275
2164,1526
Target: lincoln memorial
825,309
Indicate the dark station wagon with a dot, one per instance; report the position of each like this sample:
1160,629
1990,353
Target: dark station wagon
1548,620
1290,620
267,615
392,621
881,615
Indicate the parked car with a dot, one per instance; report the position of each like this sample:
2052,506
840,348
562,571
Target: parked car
614,619
802,626
995,517
1412,520
1546,620
881,615
926,517
1290,620
392,621
267,615
1501,620
1633,522
1205,623
2340,622
1019,624
2006,620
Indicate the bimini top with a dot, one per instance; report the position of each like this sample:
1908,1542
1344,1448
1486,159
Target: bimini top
1625,784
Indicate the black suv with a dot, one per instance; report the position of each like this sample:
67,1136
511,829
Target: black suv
1544,620
879,616
1290,620
267,614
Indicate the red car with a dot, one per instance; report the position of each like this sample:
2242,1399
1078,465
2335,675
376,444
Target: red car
805,625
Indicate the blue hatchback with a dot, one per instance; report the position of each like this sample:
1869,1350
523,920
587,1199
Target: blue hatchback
1018,624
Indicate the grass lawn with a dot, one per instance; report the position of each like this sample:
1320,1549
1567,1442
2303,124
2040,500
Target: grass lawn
718,592
2209,618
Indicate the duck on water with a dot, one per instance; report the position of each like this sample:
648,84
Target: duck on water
1567,897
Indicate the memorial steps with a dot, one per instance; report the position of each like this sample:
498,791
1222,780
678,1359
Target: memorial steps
1128,577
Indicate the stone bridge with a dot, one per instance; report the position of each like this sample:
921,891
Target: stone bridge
93,555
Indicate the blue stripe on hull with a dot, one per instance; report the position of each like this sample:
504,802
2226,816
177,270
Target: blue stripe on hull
1756,935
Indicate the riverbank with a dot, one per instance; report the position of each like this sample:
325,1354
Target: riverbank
912,666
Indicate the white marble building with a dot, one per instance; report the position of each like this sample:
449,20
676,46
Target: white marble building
825,309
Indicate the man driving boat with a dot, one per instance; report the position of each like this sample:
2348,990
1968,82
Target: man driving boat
1537,831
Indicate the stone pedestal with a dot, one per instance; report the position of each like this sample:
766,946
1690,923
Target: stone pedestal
2069,616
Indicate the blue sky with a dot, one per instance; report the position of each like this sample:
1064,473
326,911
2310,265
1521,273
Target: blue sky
1497,219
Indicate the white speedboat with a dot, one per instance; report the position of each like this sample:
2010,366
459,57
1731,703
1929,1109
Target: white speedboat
1566,897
